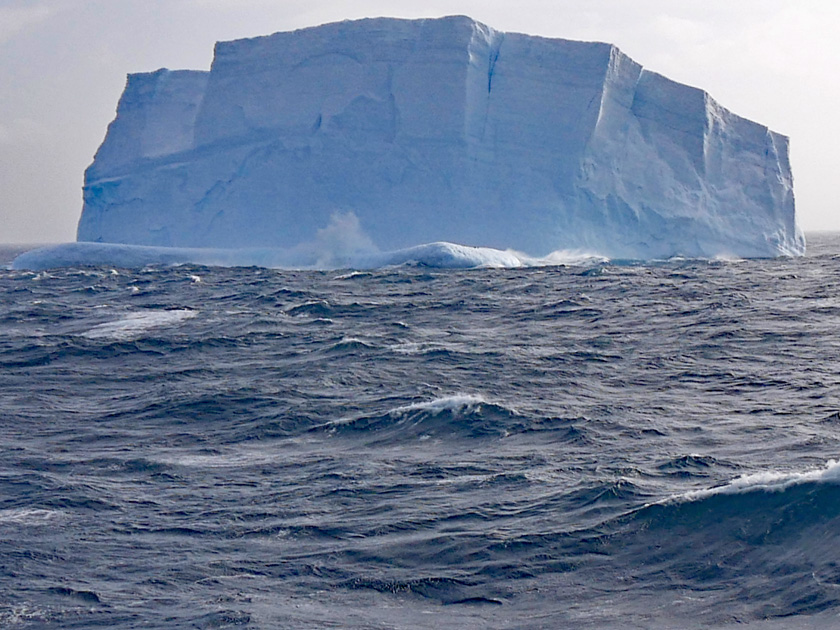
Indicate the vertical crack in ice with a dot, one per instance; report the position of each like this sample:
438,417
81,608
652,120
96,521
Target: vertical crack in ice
394,106
495,44
608,72
587,164
496,39
714,125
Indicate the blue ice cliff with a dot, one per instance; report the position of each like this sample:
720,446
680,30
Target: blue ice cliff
385,134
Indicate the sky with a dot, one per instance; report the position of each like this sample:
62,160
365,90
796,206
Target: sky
63,66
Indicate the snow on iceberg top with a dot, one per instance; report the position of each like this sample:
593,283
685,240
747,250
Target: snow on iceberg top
436,130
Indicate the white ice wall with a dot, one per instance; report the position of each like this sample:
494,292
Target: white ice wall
437,130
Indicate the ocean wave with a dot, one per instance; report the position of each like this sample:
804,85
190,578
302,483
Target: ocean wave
758,508
769,481
423,348
28,516
458,415
772,537
456,403
441,255
311,308
350,345
136,324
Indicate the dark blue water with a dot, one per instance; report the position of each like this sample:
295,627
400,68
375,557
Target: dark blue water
643,446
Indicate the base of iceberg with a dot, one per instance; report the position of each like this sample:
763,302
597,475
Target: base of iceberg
436,255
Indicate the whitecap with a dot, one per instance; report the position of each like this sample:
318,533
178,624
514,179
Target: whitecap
456,402
426,347
135,324
27,516
769,481
441,255
352,343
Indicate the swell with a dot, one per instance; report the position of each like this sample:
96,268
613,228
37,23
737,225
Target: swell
560,441
440,255
459,417
768,554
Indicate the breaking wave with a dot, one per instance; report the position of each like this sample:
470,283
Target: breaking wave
135,325
440,255
771,536
770,481
459,415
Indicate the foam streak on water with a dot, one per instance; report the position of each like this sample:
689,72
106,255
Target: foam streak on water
599,446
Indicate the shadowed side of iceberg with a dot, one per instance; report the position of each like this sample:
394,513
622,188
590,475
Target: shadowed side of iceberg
436,255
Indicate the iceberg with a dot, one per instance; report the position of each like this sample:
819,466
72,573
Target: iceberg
431,133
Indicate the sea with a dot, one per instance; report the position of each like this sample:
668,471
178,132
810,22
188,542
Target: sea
599,445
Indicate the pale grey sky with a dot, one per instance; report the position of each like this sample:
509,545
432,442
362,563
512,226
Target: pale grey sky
63,65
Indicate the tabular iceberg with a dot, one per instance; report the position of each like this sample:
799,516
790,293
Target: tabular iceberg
387,134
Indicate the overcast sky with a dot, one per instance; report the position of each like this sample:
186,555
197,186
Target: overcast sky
63,65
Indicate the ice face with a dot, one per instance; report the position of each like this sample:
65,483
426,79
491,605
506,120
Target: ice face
437,130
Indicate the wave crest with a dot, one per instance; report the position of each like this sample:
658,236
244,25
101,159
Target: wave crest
135,325
458,416
770,481
440,255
